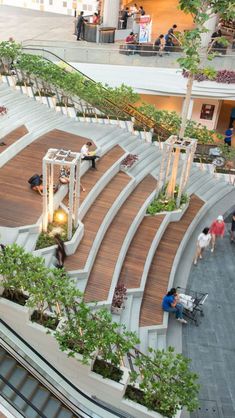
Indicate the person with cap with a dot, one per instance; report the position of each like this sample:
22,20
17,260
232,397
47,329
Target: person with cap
232,228
217,229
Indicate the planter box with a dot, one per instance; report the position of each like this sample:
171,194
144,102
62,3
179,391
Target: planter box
175,215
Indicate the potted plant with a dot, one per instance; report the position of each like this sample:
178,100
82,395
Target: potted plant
129,161
163,378
119,298
164,204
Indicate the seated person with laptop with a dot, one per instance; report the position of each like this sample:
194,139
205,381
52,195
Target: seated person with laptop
88,155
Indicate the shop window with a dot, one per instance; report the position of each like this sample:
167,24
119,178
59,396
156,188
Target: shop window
207,111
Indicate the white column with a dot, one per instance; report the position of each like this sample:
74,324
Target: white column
111,13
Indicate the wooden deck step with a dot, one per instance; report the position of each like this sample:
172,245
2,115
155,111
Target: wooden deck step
12,137
133,266
101,275
95,216
157,282
19,204
90,178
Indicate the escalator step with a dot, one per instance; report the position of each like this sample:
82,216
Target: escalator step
40,398
52,408
65,413
27,389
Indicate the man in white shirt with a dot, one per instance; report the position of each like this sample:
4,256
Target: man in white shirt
87,155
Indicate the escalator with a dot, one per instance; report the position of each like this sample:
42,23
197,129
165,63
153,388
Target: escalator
26,394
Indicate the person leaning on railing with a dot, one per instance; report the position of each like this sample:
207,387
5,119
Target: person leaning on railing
159,44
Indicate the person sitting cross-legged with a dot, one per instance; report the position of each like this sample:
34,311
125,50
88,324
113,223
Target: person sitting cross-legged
36,183
65,176
88,155
170,303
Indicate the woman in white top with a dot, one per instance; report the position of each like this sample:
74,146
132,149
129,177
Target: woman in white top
202,242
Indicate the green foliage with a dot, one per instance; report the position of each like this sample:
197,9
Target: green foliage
107,370
172,121
10,50
162,204
166,382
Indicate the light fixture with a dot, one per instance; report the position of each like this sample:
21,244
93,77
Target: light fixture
60,216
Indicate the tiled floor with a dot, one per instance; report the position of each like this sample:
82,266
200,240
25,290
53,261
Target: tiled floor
211,346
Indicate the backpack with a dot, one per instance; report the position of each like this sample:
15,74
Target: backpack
30,181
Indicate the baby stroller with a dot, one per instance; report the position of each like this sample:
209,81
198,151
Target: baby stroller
192,302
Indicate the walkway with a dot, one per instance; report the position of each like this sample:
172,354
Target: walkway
211,346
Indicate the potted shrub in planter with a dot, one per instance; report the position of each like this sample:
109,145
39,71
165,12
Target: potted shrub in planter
119,298
9,52
162,204
129,161
163,379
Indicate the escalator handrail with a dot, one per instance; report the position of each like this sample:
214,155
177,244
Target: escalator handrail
62,377
18,393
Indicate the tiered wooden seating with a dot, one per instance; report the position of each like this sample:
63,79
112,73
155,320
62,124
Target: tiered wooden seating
12,137
158,278
103,164
102,272
133,266
19,204
93,219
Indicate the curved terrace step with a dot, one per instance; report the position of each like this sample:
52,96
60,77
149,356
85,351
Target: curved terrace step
19,204
93,219
158,278
105,262
13,136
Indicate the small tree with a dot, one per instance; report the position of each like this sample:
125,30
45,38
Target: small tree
193,62
166,381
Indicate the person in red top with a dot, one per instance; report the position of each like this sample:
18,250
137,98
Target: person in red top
131,42
217,229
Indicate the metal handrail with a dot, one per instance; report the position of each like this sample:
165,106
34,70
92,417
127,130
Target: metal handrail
62,377
128,109
29,403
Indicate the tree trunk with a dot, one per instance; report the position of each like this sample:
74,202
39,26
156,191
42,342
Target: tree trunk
172,182
186,105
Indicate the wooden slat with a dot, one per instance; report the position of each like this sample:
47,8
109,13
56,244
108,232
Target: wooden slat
102,272
12,137
137,253
94,218
19,204
157,282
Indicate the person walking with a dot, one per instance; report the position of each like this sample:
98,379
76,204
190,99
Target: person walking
170,303
217,229
60,251
80,26
204,239
232,228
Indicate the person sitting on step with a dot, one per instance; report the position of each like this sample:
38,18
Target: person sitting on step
88,155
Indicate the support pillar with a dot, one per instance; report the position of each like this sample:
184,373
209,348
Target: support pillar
111,13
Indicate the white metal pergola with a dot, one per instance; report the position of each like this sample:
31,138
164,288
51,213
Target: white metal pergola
172,148
71,160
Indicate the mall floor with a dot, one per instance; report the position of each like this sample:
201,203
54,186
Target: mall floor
211,345
164,14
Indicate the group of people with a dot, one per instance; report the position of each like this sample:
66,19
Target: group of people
171,301
36,181
130,11
166,42
162,43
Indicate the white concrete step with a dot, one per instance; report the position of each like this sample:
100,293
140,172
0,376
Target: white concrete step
126,314
22,238
135,314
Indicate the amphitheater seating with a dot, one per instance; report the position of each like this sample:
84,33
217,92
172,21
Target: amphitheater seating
19,205
133,266
12,137
158,278
101,275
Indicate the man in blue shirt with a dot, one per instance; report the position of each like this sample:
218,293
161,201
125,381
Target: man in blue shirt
170,304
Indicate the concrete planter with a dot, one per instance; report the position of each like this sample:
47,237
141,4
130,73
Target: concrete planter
175,215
